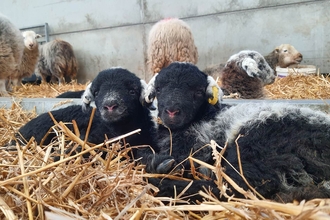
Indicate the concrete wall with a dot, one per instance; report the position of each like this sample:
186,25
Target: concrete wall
106,33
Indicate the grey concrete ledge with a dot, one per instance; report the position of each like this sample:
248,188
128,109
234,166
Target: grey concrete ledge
47,104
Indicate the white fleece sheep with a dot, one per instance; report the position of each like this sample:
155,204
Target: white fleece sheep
11,51
170,40
29,58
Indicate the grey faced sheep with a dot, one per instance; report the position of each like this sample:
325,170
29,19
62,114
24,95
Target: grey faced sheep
11,51
170,40
284,150
118,96
29,58
246,73
283,56
58,61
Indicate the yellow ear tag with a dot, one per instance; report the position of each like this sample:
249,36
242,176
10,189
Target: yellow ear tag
215,95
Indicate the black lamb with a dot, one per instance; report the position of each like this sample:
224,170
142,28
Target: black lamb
71,94
284,150
118,96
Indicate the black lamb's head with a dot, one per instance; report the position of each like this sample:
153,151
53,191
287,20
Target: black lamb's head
182,92
117,94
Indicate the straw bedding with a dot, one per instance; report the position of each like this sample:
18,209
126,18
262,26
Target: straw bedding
33,186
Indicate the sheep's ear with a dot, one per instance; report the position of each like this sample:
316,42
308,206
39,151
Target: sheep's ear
150,92
38,36
87,98
277,50
144,87
213,91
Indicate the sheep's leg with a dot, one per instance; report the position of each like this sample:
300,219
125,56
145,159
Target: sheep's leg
43,79
61,80
53,79
17,81
3,91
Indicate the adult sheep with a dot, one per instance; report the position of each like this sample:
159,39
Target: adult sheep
283,56
58,61
118,96
29,58
170,40
246,73
12,46
284,150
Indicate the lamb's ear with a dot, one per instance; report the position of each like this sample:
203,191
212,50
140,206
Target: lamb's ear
87,98
150,92
144,87
213,91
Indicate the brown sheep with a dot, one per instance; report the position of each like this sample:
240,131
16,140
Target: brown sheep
214,70
246,73
29,58
170,40
57,60
283,56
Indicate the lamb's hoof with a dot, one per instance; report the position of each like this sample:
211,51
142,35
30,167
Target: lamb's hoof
165,166
206,172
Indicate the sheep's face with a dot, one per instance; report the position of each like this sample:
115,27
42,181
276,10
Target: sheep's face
181,93
288,55
30,39
117,94
255,65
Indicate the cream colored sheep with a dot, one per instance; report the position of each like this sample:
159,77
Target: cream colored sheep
284,56
29,59
170,40
11,51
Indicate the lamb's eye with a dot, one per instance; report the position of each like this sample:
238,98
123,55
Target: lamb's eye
157,89
132,92
199,93
260,67
285,51
96,93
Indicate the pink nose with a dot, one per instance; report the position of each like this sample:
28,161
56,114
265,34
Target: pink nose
172,113
110,108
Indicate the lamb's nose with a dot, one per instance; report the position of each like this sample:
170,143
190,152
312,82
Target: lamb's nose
110,108
172,113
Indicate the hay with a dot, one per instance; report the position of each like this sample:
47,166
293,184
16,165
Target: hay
299,86
294,86
33,186
45,90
